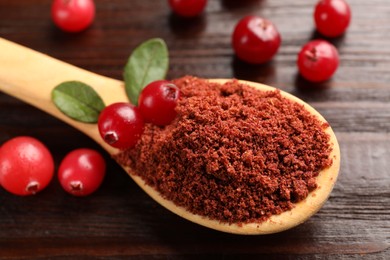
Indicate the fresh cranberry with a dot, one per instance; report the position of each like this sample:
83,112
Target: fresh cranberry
332,17
26,166
187,8
318,60
121,125
73,15
157,102
82,171
255,39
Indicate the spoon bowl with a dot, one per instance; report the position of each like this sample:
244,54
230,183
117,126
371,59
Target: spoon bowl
31,76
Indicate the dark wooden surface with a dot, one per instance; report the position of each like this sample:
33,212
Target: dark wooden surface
119,220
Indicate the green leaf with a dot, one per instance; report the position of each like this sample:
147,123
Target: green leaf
148,62
78,101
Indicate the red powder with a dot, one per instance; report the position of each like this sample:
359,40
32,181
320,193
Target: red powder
234,153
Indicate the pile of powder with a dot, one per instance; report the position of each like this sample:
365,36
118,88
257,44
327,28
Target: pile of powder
234,153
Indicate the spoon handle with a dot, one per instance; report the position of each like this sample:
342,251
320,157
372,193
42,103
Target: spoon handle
31,76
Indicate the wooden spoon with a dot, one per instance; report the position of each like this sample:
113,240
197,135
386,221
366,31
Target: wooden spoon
30,76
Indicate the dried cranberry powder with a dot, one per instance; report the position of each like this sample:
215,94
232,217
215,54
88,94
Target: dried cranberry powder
234,154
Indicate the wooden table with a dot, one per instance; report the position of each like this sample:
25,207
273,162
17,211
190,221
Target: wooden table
119,220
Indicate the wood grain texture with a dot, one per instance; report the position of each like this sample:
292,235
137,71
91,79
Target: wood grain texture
120,221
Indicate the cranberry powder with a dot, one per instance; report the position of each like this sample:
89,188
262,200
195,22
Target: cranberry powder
233,153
